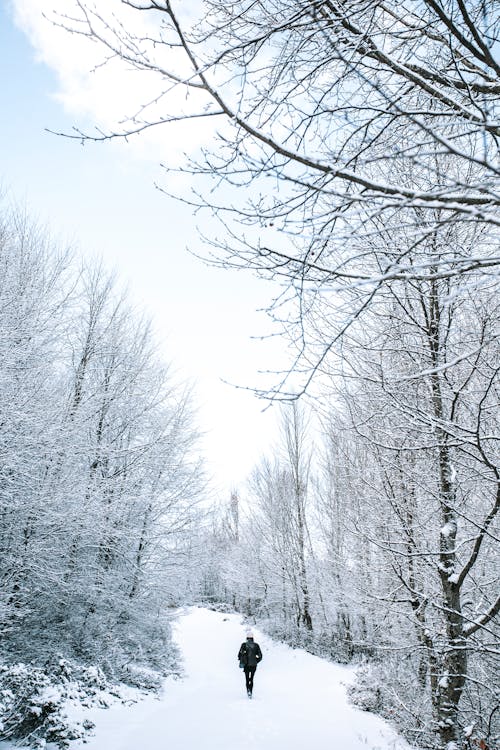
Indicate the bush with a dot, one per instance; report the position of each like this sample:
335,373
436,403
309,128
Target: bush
365,693
32,708
142,677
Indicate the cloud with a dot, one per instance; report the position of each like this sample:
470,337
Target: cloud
103,92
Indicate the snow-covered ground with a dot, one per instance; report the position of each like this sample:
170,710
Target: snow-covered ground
299,700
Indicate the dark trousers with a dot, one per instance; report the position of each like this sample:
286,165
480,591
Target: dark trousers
249,673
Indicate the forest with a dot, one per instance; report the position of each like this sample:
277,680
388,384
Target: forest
354,164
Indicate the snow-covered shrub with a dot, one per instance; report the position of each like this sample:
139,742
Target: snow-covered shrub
393,679
32,708
142,677
88,679
365,692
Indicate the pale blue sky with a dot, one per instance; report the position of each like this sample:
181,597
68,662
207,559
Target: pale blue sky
101,198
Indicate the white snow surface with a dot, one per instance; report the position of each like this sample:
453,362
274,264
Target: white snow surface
299,700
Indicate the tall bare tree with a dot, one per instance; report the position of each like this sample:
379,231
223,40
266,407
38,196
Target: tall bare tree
425,409
331,119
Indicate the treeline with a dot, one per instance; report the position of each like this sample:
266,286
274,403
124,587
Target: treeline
371,532
99,474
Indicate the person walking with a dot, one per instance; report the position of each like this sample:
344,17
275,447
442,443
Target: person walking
249,656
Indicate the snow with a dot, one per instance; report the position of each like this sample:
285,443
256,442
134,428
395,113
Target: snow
449,529
443,682
299,700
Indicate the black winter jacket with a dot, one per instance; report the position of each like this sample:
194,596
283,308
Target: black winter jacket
250,653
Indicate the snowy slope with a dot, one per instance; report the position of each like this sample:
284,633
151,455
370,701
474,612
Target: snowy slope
299,702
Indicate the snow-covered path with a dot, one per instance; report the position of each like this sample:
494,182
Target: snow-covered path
299,702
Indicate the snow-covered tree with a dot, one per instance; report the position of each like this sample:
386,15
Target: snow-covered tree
100,477
331,120
419,388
